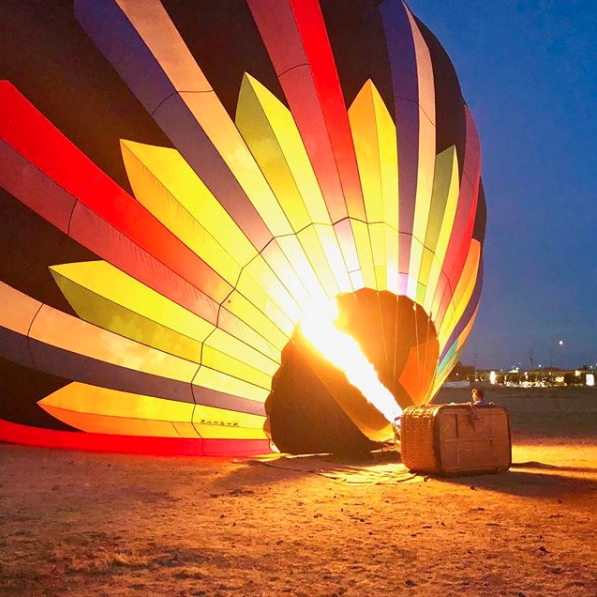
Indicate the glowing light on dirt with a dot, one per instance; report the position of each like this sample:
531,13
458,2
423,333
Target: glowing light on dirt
344,352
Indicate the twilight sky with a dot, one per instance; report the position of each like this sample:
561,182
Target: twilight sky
528,70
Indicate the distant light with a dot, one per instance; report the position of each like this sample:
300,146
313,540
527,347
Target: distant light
590,379
493,378
561,342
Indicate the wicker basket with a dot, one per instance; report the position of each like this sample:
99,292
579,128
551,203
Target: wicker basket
456,439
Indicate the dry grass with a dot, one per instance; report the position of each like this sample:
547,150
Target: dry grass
94,524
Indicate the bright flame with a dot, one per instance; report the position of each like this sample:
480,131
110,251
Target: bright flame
344,352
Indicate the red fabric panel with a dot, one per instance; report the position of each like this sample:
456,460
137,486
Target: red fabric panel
445,301
181,126
437,299
465,245
278,27
236,447
36,139
464,220
21,179
297,42
126,444
319,55
301,92
130,235
100,237
128,216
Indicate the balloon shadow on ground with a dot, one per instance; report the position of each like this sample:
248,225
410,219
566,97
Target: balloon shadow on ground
533,464
533,482
279,469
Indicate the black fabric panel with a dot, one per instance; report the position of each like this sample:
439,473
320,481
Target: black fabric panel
28,246
480,216
224,40
50,59
449,103
357,38
21,389
304,418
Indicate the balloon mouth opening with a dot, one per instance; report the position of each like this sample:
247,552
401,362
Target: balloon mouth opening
350,368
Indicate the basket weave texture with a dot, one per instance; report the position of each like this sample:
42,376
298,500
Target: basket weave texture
417,439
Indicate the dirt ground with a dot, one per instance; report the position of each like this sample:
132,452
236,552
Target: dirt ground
99,524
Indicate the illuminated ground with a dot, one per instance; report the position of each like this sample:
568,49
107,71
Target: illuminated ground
92,525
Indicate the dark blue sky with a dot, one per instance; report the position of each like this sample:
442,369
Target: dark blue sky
528,70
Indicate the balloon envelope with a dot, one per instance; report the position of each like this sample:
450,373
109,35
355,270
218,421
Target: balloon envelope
183,184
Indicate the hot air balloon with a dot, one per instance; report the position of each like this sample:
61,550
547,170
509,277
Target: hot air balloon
228,226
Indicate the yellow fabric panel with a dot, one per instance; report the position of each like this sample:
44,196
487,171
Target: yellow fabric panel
101,410
443,237
468,277
172,176
374,135
311,243
281,263
266,302
222,382
346,241
392,259
161,37
297,258
463,292
377,233
455,309
237,328
215,121
156,198
467,330
424,189
255,109
105,296
69,333
224,342
92,423
426,264
388,155
18,310
416,254
427,146
272,135
362,241
357,280
289,141
165,184
450,365
258,280
257,320
216,423
223,362
363,123
437,301
388,151
446,169
420,293
331,248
